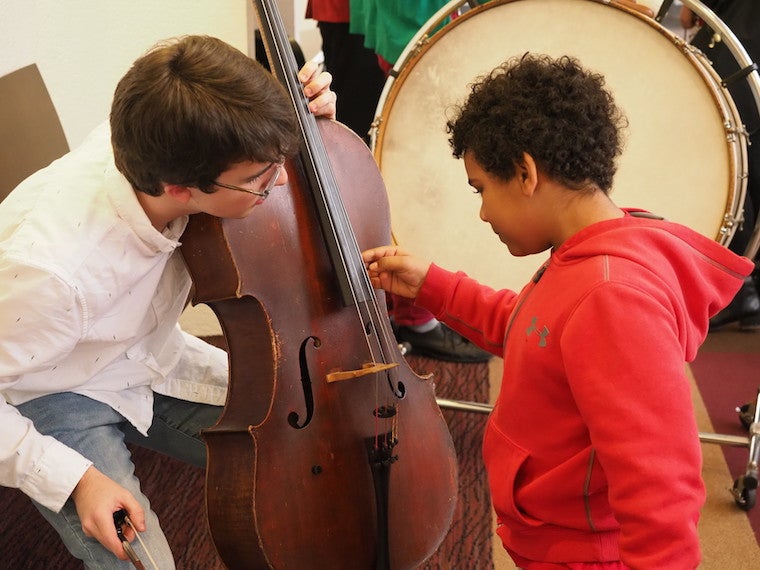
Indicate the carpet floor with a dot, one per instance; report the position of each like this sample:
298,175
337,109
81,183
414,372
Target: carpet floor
725,375
177,494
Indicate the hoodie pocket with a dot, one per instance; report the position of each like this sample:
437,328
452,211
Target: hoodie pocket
503,460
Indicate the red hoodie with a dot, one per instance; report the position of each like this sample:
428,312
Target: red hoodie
592,449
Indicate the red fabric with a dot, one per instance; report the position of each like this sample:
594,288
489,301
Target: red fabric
384,65
336,11
592,449
406,313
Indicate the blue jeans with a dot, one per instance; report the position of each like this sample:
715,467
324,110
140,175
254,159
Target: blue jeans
100,434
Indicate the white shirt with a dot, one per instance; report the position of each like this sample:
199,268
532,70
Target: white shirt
90,294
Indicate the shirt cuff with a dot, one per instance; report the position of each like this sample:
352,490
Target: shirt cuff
54,476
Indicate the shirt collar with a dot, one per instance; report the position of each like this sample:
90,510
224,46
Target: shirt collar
122,196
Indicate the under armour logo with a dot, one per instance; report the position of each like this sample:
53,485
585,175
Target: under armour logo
533,328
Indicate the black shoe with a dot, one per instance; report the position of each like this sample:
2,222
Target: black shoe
744,309
442,343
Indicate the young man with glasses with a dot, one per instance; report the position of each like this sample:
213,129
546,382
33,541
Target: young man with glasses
91,354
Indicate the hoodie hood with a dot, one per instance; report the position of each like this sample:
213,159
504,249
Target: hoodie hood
700,275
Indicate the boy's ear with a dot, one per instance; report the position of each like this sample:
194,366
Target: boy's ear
527,174
180,193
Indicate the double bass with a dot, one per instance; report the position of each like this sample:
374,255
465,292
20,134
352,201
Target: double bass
330,451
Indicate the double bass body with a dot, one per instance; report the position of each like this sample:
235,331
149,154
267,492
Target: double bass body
293,476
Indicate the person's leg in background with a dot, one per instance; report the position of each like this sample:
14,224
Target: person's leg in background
358,81
357,78
429,337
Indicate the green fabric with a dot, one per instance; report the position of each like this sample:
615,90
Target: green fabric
388,25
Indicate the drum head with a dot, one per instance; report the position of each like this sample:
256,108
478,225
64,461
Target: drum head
676,162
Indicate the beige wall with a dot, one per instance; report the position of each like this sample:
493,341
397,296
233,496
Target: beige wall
83,47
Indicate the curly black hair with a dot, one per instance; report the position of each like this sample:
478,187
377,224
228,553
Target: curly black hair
552,109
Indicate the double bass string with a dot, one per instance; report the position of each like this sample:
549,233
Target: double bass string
341,240
342,247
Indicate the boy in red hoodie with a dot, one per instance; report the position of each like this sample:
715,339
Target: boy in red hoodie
592,449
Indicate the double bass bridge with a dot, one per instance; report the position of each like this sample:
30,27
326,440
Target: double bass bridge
368,368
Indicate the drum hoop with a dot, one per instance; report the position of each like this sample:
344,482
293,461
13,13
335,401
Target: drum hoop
413,49
736,136
737,139
744,61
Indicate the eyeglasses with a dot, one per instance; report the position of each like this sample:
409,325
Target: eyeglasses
269,185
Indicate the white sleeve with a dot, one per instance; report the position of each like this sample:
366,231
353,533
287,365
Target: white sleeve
42,467
40,322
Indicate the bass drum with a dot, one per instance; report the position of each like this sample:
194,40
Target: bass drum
685,151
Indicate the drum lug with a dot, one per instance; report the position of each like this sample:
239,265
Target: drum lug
740,130
374,129
691,49
419,45
730,221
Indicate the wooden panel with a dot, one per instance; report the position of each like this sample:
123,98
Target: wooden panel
31,135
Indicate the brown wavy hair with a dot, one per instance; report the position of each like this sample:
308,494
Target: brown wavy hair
193,106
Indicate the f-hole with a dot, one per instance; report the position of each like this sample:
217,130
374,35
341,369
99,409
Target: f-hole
308,394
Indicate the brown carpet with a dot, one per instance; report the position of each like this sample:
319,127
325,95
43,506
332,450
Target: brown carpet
177,492
468,544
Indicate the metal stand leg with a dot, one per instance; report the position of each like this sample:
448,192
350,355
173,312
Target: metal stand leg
745,487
